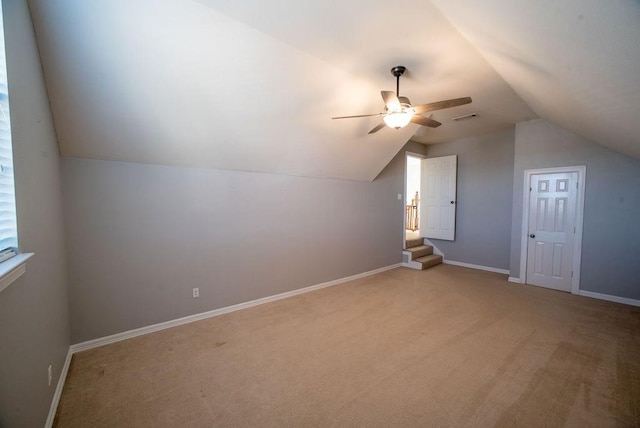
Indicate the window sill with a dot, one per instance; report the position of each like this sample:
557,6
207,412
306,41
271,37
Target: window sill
12,269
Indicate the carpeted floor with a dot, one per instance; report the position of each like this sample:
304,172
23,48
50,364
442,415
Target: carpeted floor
444,347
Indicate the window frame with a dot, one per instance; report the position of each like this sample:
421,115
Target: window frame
14,266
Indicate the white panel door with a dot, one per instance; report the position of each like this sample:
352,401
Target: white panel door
552,218
438,200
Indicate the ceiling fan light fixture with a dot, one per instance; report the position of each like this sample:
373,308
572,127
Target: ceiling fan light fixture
397,119
399,112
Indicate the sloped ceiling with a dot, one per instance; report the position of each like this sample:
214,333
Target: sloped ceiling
574,62
253,85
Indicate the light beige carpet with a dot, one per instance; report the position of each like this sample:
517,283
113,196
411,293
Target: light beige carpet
445,347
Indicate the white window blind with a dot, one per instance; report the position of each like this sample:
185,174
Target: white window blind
8,229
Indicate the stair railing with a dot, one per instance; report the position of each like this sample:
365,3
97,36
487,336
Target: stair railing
411,219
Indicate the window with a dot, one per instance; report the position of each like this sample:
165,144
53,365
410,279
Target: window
8,228
11,269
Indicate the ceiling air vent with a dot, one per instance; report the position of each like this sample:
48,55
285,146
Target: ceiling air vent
465,116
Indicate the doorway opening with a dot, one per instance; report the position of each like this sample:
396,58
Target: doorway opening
412,197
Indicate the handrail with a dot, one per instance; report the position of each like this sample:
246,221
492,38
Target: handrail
411,219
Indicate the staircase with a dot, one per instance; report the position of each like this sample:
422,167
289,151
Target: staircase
420,255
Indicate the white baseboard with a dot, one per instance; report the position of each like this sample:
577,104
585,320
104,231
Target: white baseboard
412,265
216,312
516,280
185,320
479,267
58,393
610,298
197,317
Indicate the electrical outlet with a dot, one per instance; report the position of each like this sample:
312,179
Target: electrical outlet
50,374
196,292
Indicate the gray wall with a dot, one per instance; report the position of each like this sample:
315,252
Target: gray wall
484,191
140,237
34,324
611,236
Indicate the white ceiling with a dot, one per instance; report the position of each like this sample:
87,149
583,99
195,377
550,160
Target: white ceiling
253,85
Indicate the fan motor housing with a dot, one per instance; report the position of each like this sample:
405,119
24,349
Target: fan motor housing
398,70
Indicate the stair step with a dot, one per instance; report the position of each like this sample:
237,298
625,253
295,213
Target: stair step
414,242
419,251
429,261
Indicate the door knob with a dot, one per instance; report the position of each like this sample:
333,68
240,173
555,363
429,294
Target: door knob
532,236
452,202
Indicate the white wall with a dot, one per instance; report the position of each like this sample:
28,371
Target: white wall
611,237
34,318
141,237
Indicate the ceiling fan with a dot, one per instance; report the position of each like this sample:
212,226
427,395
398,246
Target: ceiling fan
399,112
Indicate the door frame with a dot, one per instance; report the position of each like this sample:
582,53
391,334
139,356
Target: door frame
404,196
581,170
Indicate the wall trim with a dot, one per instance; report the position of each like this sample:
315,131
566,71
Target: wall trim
13,268
479,267
58,392
466,265
610,298
83,346
90,344
516,280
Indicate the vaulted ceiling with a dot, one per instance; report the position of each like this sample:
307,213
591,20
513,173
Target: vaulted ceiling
253,85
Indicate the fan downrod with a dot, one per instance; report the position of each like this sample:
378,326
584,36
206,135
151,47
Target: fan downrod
398,71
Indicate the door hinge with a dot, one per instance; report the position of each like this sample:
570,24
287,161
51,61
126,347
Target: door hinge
574,230
530,189
571,274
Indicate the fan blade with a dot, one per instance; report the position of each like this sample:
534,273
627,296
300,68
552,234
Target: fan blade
390,99
425,121
359,115
440,105
377,128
